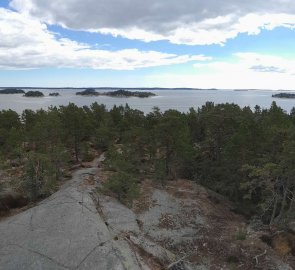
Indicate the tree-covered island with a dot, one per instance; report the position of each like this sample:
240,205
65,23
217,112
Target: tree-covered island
54,94
88,92
33,94
125,93
284,95
12,91
117,93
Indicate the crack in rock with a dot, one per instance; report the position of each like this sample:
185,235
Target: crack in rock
42,255
91,251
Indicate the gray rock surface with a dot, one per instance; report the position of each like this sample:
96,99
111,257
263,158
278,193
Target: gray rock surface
62,232
166,220
80,228
119,217
172,213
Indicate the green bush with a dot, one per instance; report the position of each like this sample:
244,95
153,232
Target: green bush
39,177
241,234
124,186
160,171
86,153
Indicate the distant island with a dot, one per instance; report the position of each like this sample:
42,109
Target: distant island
54,94
117,93
34,94
88,92
125,93
284,95
12,91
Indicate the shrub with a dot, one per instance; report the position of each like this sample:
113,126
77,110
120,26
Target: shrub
160,171
39,177
87,153
241,234
124,186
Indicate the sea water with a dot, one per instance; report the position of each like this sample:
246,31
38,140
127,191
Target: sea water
180,99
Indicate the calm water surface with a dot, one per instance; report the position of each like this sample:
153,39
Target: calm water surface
181,100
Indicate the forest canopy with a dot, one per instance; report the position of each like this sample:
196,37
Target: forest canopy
247,156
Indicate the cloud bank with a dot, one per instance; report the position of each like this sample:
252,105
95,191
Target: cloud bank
192,22
246,62
26,43
243,70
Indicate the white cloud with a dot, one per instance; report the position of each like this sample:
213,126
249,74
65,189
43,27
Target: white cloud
249,62
243,71
26,43
181,22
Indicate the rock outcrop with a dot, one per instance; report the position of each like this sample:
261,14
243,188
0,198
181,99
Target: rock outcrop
65,231
185,226
182,226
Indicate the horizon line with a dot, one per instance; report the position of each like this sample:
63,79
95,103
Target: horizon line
144,88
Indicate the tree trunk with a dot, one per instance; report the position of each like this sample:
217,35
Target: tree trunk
283,205
291,206
76,149
274,210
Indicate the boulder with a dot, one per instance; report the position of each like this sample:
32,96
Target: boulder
75,167
67,174
86,165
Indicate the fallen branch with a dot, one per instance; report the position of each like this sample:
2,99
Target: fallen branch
163,255
134,251
259,255
178,261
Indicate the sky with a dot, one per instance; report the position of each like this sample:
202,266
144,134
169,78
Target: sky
232,44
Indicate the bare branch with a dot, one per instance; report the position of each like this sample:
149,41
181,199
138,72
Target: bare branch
259,255
178,261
